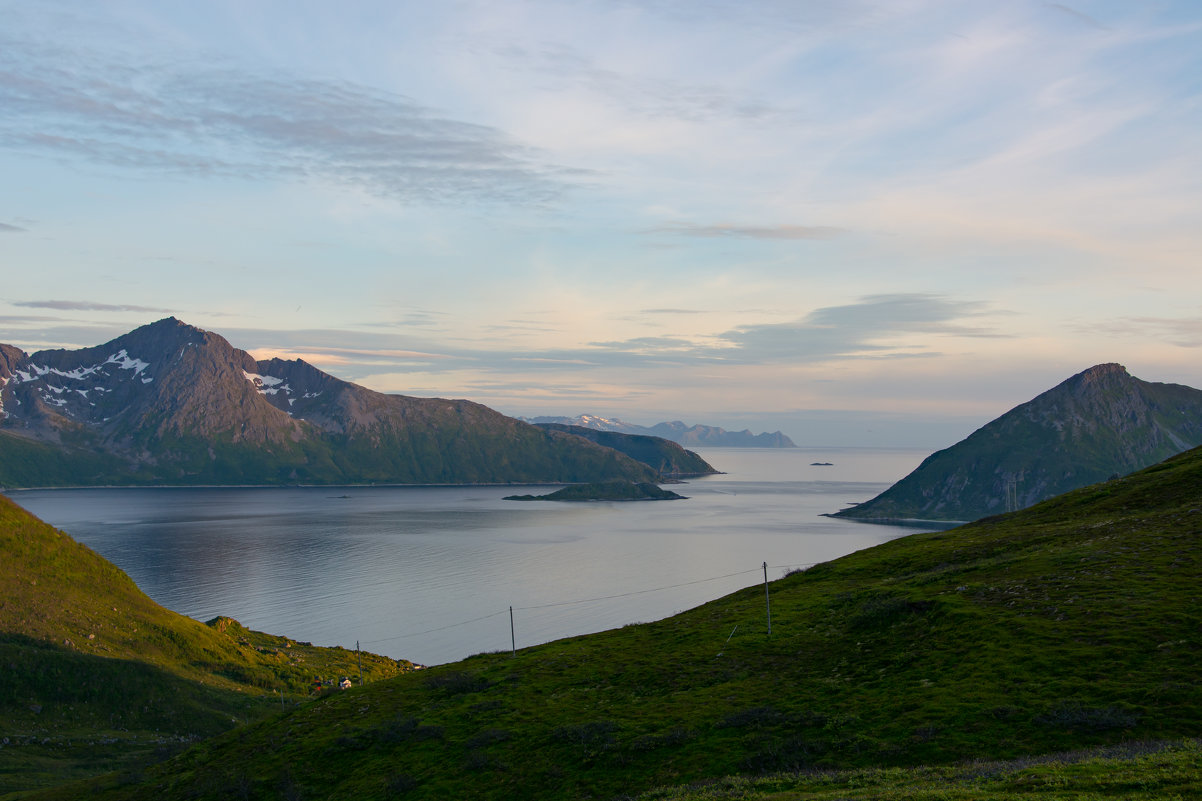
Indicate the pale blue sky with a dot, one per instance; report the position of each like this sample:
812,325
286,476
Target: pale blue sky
855,221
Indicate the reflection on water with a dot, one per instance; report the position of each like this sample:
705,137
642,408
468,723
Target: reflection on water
399,568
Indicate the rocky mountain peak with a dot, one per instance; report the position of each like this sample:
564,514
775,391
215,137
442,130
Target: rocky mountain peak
10,357
1099,371
1098,378
1099,423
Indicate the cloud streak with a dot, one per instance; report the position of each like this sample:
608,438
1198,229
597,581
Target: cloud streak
567,68
85,305
897,326
727,231
211,121
5,228
1183,332
878,326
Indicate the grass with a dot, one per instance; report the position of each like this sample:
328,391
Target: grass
1134,772
1072,625
99,676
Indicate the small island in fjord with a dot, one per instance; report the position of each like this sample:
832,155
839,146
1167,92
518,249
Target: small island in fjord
618,490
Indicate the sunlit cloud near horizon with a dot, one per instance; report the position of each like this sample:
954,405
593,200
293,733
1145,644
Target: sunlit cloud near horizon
858,222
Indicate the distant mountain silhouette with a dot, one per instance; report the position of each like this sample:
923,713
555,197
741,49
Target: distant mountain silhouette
696,436
172,404
1098,424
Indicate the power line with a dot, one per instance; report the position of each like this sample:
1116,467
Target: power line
431,631
803,565
510,610
636,592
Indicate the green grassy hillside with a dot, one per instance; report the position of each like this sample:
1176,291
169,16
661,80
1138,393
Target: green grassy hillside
97,675
1156,771
1075,624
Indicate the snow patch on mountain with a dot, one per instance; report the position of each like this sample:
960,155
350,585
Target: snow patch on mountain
55,387
121,358
127,362
268,385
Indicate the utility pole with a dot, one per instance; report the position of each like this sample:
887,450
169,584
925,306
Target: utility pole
513,642
767,599
1012,492
359,657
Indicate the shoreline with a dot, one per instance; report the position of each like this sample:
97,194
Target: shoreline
673,479
908,522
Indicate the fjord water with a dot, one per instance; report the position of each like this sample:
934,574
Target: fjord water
429,573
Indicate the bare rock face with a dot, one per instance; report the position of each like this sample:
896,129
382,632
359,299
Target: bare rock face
170,403
1100,423
164,379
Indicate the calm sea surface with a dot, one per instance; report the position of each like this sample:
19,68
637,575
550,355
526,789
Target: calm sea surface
429,573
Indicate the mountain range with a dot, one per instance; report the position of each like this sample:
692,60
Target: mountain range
695,436
1098,424
169,403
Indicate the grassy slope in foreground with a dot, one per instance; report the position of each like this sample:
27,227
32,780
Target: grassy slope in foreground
97,675
1073,624
1156,771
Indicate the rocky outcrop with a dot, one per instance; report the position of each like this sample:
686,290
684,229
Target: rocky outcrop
605,491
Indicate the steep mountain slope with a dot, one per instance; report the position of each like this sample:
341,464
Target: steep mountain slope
1073,624
1099,423
90,657
695,436
172,404
661,455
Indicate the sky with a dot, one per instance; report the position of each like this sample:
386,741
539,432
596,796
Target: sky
862,223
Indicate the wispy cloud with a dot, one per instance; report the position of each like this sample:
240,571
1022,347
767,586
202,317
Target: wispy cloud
563,67
5,228
209,120
729,231
1184,332
898,326
527,326
381,353
87,305
877,326
25,319
411,318
1077,15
